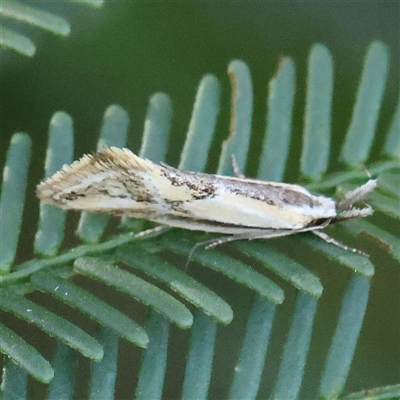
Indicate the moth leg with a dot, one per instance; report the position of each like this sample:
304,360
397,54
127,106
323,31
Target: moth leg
261,234
236,169
251,235
331,240
158,230
195,247
209,244
256,234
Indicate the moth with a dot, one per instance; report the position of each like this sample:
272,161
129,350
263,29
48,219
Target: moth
118,182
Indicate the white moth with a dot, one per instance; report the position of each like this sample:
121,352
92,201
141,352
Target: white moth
118,182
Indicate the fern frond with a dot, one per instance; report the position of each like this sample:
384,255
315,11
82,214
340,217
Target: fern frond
34,16
384,392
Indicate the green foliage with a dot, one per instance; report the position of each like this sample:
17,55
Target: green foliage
34,16
111,260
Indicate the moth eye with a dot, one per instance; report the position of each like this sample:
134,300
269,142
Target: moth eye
270,202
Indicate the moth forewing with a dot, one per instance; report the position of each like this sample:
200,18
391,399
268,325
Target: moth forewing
116,181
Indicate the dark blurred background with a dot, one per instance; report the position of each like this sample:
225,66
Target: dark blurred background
126,51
